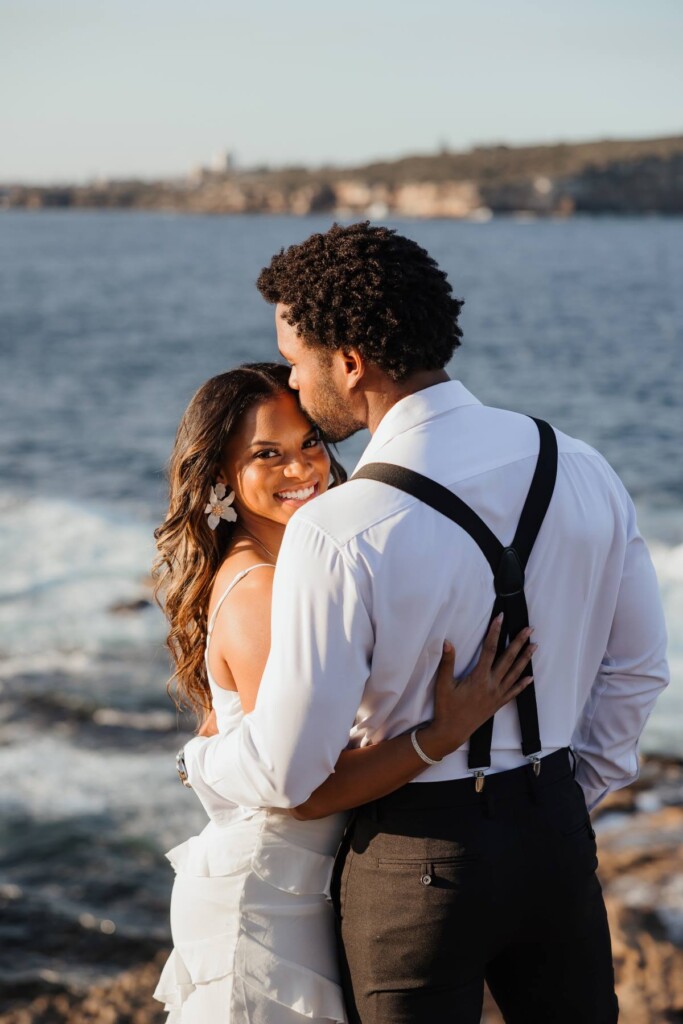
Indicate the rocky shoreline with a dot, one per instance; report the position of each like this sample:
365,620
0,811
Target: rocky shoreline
640,839
641,176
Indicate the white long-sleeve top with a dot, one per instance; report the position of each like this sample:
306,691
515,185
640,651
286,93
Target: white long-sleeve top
370,582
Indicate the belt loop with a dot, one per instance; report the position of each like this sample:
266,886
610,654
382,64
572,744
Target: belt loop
573,759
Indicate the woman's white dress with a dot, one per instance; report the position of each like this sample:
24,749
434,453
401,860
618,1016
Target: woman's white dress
252,922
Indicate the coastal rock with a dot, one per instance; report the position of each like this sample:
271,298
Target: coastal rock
640,838
430,199
356,197
124,1000
138,604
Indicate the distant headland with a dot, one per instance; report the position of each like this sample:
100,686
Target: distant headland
642,176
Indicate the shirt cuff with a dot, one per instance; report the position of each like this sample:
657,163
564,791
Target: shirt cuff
213,804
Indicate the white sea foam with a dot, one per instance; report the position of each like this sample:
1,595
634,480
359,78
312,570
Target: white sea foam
64,566
51,779
153,721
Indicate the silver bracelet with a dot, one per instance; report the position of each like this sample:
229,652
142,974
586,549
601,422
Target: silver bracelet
419,751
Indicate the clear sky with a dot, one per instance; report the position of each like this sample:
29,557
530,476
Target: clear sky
154,87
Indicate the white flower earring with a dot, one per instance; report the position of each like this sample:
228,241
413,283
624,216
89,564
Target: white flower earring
219,506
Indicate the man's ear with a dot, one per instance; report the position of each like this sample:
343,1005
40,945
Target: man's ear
353,366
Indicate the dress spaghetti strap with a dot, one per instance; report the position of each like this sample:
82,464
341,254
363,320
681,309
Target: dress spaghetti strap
233,583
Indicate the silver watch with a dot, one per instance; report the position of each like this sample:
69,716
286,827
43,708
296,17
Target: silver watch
182,770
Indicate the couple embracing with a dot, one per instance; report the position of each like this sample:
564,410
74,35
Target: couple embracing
379,843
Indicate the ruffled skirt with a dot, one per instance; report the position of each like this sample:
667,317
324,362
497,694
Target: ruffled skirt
253,926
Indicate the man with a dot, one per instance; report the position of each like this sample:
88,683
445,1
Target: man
455,879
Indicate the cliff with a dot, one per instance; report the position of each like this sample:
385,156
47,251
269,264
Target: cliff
618,177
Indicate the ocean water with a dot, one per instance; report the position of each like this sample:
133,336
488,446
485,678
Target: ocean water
108,323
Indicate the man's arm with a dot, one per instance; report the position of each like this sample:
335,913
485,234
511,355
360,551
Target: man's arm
633,672
313,683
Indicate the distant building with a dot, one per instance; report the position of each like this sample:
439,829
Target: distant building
221,164
224,162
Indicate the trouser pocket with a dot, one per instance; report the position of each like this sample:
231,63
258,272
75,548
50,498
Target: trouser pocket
409,903
439,872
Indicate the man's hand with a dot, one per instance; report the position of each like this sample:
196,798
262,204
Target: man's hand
462,705
209,726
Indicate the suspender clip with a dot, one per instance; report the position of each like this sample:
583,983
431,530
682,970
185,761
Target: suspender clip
535,762
479,779
509,578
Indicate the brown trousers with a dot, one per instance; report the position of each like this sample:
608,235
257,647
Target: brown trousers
439,889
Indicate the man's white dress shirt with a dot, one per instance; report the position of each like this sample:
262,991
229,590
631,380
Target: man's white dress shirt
370,582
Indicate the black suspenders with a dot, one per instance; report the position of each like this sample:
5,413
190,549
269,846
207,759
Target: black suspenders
507,565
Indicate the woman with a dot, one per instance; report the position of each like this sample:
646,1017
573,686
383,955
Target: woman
251,921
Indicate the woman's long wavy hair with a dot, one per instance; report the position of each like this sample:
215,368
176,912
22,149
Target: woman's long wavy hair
190,553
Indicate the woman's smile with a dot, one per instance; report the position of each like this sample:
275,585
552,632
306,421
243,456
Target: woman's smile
298,495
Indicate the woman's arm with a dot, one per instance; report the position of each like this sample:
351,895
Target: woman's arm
460,707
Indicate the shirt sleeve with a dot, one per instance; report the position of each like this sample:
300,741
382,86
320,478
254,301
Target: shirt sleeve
312,685
632,674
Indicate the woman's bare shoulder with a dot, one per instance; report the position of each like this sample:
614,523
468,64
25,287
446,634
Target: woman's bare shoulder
255,585
242,629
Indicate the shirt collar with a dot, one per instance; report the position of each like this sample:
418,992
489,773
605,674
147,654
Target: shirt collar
415,409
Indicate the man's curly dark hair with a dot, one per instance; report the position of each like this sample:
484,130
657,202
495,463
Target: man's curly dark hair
370,288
